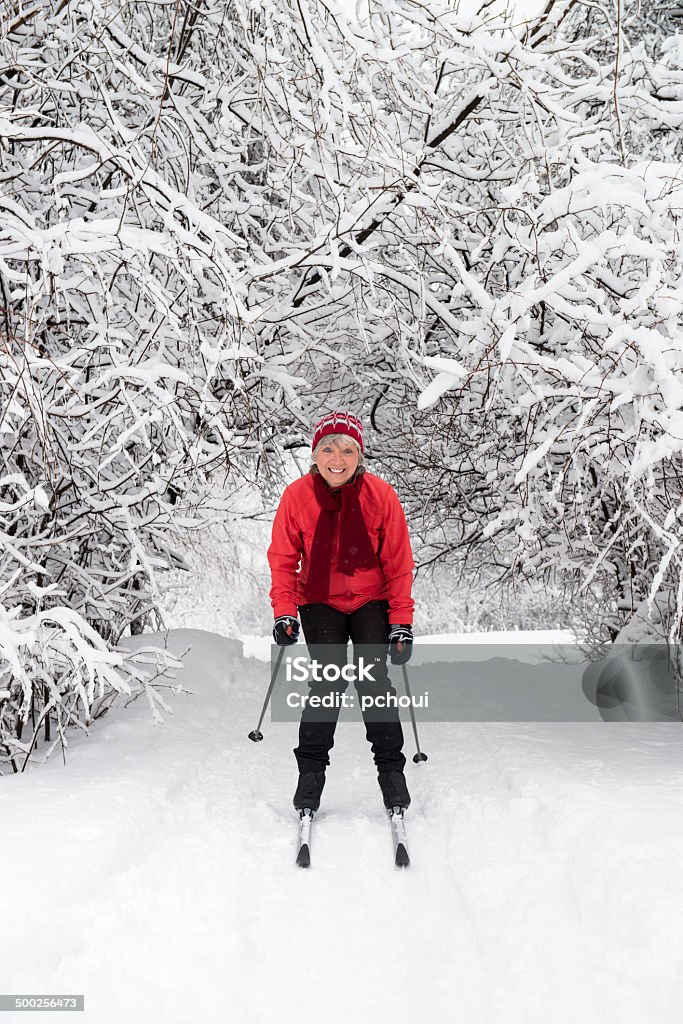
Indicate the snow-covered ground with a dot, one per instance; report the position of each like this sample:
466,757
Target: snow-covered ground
155,871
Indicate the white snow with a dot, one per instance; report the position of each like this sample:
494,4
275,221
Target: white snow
155,871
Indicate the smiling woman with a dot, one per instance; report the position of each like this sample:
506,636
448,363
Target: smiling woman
340,558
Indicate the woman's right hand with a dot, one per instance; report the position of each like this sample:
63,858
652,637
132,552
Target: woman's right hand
286,630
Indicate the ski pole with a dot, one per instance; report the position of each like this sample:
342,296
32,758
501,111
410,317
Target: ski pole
257,735
419,756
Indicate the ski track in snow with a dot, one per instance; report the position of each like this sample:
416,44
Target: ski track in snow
155,871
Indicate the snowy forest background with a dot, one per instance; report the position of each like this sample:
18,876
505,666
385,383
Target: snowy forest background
220,220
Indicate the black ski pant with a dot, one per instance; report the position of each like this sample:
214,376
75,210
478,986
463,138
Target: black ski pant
368,626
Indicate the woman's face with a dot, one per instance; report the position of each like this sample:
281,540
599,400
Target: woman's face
336,460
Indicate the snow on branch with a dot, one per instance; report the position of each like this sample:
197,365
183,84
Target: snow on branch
218,219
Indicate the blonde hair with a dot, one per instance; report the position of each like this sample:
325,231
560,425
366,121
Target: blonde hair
342,438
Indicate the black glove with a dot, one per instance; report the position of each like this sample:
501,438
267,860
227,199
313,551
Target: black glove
286,631
400,644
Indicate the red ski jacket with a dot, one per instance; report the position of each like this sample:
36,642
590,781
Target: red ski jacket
293,532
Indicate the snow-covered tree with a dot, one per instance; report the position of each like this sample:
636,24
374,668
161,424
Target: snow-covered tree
564,389
221,219
120,297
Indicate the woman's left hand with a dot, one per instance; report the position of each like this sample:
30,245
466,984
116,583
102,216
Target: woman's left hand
400,644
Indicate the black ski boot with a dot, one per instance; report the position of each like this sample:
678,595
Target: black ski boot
394,789
308,790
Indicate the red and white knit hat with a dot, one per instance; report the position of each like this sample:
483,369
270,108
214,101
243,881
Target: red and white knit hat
339,422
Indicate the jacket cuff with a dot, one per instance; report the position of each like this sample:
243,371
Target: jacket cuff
400,617
286,609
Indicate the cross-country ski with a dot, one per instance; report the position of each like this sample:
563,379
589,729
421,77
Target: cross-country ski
399,837
303,857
